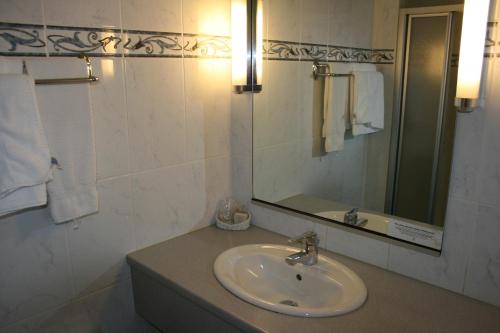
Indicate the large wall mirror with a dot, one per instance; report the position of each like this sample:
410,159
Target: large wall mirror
355,122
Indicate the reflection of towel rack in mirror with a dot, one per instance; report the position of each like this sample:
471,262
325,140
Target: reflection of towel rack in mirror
317,71
90,77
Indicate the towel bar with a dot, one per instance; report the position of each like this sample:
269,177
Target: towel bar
316,71
90,78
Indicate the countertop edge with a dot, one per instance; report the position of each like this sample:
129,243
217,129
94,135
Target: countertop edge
224,315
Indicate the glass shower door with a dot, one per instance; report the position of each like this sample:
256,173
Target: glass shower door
423,116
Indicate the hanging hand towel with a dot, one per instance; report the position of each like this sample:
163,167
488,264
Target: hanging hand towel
24,154
367,113
335,109
66,115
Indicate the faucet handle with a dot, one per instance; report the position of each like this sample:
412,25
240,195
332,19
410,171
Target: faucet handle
308,238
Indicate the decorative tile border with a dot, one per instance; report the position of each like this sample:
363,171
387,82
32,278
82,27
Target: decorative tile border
62,41
22,39
293,51
206,46
68,41
152,43
490,47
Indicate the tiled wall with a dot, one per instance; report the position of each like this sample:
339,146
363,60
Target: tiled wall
470,261
168,147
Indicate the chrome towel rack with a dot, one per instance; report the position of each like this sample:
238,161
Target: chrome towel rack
88,79
317,71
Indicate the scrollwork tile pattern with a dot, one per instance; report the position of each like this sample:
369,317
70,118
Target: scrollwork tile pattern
22,39
37,40
29,40
282,50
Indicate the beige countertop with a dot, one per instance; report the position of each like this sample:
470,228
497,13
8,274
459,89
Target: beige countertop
395,303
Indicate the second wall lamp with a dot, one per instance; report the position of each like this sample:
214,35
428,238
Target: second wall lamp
470,66
247,45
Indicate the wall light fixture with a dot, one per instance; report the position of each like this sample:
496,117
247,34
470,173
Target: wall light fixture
247,45
470,65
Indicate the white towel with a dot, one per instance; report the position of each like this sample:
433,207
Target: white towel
66,116
367,101
24,154
335,109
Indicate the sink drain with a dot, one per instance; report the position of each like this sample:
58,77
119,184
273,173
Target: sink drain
289,302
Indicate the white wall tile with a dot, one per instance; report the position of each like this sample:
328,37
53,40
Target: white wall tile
168,201
241,124
284,20
385,23
153,15
208,105
110,118
217,186
309,118
447,270
276,111
483,273
207,17
362,17
99,244
466,155
35,272
489,174
280,222
10,65
241,178
155,107
278,171
89,13
341,23
21,11
314,22
43,68
357,246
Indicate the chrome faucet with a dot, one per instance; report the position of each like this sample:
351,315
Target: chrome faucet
308,256
352,218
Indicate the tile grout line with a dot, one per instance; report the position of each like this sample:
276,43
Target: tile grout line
44,23
470,248
129,175
183,68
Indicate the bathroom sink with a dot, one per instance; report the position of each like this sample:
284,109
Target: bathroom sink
378,223
259,275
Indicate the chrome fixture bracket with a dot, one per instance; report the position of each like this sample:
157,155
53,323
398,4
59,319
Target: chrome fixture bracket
466,105
319,69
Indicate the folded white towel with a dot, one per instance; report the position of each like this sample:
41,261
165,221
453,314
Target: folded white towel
66,116
24,154
367,94
335,109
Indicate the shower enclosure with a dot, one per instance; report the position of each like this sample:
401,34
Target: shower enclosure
424,122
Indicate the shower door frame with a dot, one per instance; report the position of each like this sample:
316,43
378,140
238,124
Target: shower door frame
400,84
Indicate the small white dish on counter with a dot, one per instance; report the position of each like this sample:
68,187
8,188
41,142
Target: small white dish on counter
243,225
259,275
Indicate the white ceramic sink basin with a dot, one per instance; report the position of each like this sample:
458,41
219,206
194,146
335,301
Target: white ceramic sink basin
259,275
375,222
